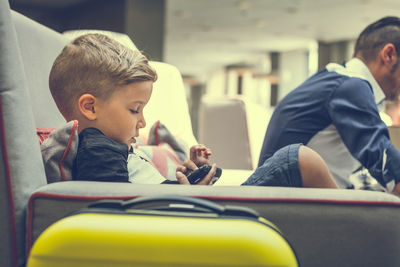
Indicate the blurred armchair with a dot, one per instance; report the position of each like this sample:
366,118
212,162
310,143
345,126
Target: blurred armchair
234,129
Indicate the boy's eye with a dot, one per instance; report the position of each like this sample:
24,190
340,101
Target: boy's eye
134,111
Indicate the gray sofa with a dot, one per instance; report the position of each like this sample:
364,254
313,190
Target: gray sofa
326,227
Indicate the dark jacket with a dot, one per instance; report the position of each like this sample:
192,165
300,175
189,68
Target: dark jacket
100,158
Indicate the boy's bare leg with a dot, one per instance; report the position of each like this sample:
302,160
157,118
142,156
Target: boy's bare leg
313,169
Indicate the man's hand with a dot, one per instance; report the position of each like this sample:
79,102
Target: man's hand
183,170
199,154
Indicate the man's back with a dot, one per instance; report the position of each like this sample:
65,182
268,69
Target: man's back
327,113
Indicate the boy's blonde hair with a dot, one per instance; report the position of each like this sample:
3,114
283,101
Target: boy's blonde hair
97,65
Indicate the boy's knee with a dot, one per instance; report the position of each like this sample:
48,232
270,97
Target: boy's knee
313,169
310,162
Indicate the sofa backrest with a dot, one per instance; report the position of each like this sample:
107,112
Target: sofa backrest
38,55
168,103
21,167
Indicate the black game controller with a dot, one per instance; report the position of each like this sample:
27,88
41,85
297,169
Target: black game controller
198,174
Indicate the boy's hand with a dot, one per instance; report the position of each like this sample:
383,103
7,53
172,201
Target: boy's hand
199,154
183,170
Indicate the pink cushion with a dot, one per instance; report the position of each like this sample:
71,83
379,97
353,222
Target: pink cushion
59,149
162,157
43,133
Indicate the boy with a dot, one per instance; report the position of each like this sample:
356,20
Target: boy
105,86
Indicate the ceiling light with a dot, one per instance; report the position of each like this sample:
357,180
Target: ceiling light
242,5
260,23
206,28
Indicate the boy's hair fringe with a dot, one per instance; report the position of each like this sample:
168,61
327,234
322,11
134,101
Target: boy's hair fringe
97,65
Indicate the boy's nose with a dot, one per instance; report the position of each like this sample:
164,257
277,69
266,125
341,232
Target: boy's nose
142,123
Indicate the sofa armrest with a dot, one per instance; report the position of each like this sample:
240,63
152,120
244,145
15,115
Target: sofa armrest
327,227
233,177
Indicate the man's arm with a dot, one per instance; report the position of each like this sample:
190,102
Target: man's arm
355,115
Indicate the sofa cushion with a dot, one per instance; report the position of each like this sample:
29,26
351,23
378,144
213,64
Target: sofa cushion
163,150
162,157
159,134
43,133
59,151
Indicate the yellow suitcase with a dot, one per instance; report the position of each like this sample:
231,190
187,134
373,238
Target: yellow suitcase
162,231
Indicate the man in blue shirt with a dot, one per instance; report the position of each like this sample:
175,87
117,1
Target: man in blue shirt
336,111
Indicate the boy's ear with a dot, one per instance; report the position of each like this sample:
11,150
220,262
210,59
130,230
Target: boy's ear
86,106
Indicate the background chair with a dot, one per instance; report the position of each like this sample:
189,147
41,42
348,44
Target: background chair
394,132
234,128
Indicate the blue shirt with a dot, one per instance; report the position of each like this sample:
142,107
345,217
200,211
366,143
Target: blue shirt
335,112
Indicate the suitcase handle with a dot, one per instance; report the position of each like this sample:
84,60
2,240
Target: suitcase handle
176,203
160,202
173,202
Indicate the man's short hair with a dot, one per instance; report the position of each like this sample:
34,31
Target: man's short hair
95,64
376,35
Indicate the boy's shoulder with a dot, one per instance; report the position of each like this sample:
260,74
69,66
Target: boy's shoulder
93,138
100,158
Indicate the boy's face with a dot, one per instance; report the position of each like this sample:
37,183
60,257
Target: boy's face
121,116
